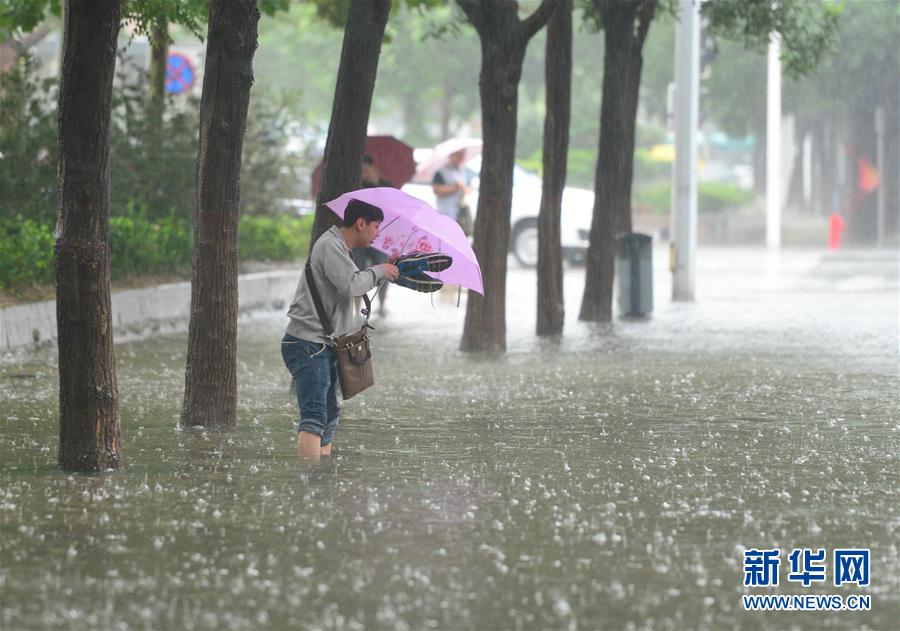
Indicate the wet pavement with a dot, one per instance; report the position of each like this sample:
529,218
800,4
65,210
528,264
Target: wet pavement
611,478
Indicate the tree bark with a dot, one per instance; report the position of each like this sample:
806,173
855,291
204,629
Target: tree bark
445,109
829,150
558,81
504,38
625,27
346,140
210,393
89,438
159,53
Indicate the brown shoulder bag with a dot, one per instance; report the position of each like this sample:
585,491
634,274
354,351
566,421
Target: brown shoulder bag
354,355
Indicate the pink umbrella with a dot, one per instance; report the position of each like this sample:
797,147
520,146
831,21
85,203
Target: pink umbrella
412,225
441,155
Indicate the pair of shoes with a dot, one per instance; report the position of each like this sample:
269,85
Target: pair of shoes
419,282
417,262
413,266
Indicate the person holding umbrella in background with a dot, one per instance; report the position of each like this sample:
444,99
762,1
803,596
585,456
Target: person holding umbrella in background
450,186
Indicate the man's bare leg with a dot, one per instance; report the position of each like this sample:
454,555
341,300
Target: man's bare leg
382,294
326,449
309,445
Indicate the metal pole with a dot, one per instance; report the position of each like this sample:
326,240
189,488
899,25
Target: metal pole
684,173
773,146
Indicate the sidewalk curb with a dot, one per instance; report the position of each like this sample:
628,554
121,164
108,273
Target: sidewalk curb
137,310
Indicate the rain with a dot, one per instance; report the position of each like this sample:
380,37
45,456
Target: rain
611,477
715,419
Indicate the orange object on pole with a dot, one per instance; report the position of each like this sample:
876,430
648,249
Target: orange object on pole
835,228
869,177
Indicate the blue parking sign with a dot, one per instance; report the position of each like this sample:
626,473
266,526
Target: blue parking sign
180,74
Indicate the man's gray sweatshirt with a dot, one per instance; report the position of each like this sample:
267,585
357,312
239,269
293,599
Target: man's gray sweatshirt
338,280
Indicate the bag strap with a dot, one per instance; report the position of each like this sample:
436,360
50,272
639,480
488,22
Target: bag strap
317,301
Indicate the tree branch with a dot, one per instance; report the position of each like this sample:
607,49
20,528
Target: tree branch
472,9
645,15
537,20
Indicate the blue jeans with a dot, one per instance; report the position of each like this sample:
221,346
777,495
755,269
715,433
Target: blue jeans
314,370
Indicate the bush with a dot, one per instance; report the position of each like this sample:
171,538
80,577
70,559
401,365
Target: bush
646,168
28,144
26,249
711,197
152,161
140,246
283,238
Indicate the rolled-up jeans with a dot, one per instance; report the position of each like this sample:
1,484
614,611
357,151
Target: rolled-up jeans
313,367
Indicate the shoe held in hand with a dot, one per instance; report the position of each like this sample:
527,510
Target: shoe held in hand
417,262
419,282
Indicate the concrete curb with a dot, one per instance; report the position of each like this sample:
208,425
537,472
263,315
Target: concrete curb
138,310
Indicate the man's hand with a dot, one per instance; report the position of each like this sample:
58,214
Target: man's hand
390,271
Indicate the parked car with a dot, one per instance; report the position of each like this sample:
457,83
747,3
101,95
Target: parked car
575,222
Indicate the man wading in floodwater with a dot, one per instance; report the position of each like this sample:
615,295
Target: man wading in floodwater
307,352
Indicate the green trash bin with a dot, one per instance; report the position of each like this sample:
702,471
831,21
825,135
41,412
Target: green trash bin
634,268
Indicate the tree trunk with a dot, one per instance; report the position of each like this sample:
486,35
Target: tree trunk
89,438
503,41
644,15
890,174
342,164
558,80
816,201
622,65
862,229
794,201
445,110
210,393
159,53
829,149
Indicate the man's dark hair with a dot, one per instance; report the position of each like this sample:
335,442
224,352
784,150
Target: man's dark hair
367,159
356,209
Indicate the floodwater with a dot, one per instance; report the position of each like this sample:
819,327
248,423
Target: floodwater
608,479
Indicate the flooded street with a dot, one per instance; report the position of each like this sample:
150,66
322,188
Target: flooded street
608,479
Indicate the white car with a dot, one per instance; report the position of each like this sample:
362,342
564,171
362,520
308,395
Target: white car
575,223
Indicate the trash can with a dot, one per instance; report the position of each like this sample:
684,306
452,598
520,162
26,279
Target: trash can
634,267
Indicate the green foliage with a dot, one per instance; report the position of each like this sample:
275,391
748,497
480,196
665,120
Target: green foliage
581,165
282,238
24,15
646,168
28,144
152,163
138,245
736,86
298,55
864,72
144,14
269,172
808,28
711,197
26,249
